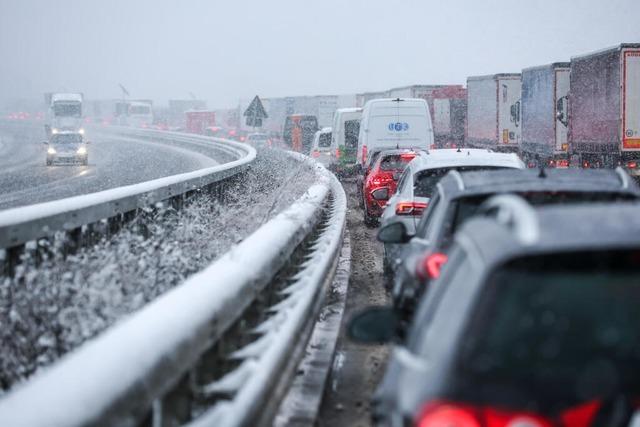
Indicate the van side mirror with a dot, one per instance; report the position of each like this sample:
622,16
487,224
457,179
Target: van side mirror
374,325
395,232
45,142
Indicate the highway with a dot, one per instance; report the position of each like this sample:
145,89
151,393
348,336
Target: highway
114,161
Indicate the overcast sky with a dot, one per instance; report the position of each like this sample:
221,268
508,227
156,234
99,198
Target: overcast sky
223,50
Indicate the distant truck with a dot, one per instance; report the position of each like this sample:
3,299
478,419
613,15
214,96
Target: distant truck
64,113
448,107
199,121
545,117
140,113
604,108
299,131
493,112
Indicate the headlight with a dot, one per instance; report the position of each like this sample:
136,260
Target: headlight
82,150
51,150
81,131
54,131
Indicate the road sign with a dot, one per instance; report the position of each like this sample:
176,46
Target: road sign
255,112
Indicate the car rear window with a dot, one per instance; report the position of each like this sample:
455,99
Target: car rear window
324,140
563,326
425,181
396,162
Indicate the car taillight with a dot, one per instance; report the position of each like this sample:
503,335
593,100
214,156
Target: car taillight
364,153
562,163
585,164
441,414
632,164
430,266
381,178
410,208
338,153
552,163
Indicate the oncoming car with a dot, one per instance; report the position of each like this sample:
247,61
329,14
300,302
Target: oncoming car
67,147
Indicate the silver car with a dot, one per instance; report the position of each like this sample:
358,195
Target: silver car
420,177
67,147
322,150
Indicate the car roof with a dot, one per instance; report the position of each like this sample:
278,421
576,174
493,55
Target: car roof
550,229
555,180
450,157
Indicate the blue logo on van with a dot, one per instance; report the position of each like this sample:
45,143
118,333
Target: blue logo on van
398,126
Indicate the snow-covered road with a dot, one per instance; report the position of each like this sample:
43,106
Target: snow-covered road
114,161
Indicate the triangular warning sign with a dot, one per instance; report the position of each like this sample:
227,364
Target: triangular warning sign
256,110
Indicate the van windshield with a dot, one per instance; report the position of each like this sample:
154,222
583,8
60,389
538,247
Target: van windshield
67,139
67,110
564,324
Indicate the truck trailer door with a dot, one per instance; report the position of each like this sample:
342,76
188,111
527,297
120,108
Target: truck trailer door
631,100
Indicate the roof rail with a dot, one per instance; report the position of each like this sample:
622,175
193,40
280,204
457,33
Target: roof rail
624,177
514,212
456,175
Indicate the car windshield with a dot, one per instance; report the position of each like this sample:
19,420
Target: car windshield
564,324
425,181
67,110
396,162
67,139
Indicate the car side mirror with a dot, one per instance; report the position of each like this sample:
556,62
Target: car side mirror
395,232
374,325
45,142
381,194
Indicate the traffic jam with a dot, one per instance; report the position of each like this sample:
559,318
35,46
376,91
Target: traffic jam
511,249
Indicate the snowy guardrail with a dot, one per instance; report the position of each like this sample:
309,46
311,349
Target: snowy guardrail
220,349
27,223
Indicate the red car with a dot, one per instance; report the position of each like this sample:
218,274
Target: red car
381,180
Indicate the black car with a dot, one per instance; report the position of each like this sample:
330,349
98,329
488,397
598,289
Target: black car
457,197
534,321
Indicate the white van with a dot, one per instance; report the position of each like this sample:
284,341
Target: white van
394,123
322,150
344,137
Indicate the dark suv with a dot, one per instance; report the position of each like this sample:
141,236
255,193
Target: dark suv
415,260
534,321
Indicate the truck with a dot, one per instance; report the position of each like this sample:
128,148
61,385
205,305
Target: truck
493,112
198,121
299,131
545,94
604,109
64,113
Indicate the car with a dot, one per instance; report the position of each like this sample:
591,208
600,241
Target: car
321,149
419,179
418,256
381,180
67,147
258,139
534,321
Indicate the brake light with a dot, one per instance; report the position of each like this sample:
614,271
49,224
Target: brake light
315,154
562,163
407,156
381,178
632,165
441,414
585,164
410,208
338,153
364,153
552,163
430,266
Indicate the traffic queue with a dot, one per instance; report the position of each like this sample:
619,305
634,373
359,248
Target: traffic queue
514,286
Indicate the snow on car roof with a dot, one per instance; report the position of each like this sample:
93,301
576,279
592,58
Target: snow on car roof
76,97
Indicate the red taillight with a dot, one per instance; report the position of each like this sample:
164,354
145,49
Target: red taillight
381,178
242,139
632,165
585,164
364,153
442,414
338,153
407,156
315,154
430,266
410,208
552,163
562,163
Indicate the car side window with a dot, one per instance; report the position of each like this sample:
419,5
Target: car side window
423,225
402,181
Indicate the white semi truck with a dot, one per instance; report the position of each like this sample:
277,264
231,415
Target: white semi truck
64,113
493,112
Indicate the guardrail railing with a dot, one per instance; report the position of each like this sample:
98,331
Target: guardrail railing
220,349
28,223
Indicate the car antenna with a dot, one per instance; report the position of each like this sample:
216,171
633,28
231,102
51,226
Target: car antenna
542,173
